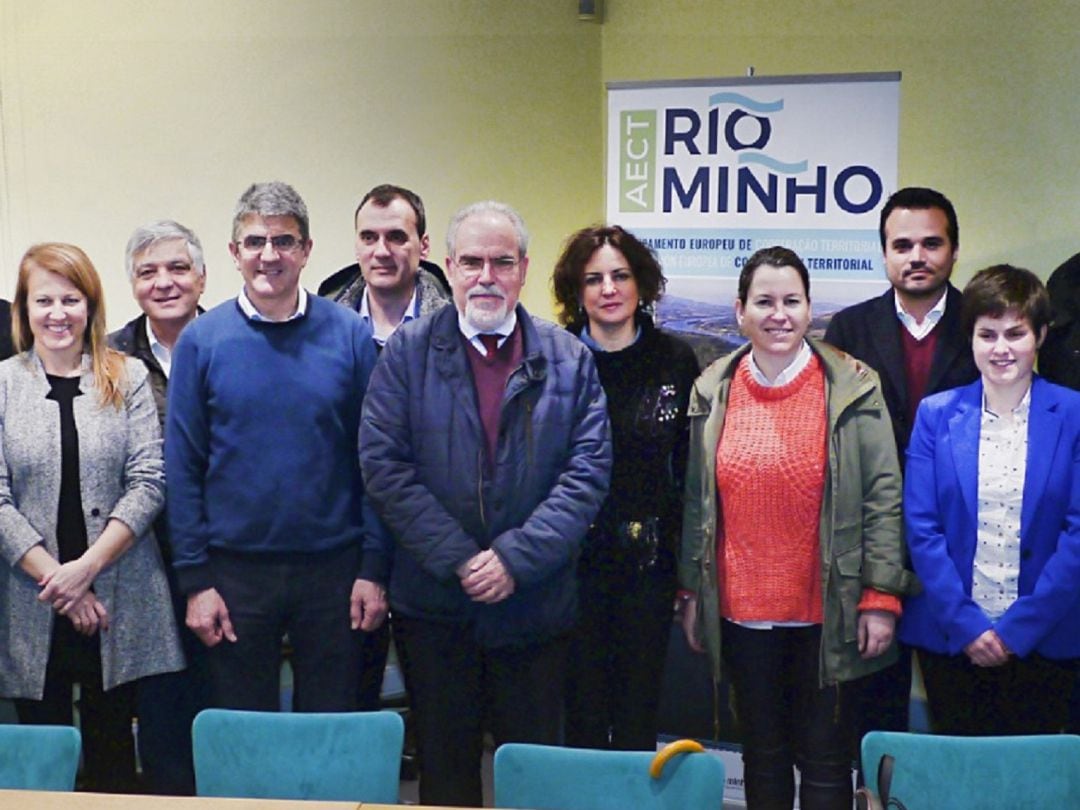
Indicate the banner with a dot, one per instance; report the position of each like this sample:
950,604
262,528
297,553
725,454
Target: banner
708,171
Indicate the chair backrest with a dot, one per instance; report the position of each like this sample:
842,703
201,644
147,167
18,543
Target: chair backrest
278,755
933,771
541,777
39,757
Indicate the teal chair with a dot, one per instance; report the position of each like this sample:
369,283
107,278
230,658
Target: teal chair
937,772
282,755
39,757
542,777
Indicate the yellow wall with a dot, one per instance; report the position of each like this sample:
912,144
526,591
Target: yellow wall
989,114
114,112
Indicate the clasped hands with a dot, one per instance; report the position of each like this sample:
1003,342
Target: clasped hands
485,579
67,589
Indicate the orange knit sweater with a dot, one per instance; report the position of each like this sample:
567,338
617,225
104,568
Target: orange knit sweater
770,473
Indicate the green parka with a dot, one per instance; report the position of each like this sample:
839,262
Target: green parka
861,527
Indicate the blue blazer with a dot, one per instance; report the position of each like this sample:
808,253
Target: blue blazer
940,506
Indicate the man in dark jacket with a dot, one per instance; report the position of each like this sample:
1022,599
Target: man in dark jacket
1059,357
7,345
392,282
165,266
1059,362
911,336
485,447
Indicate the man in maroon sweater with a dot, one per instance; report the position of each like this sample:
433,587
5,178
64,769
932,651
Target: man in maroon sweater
912,337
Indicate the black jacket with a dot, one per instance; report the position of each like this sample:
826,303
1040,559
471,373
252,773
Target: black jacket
7,345
870,331
1059,358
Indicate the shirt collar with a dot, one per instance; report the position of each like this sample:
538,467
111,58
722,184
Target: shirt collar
588,340
920,330
505,328
795,367
1020,411
253,314
412,312
161,352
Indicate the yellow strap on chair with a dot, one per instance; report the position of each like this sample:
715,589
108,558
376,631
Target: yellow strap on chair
656,767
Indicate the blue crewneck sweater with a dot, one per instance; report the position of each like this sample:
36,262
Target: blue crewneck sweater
261,438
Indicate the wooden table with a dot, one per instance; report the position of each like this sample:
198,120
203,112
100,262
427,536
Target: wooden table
48,800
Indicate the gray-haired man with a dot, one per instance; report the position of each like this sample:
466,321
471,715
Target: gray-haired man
164,263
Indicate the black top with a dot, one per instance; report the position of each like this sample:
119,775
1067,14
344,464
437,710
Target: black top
647,385
70,522
70,651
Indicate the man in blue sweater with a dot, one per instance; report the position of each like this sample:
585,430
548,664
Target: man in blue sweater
265,491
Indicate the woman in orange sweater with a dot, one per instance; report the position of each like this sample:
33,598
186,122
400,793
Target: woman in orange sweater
792,549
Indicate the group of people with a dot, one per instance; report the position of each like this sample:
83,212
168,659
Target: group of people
530,502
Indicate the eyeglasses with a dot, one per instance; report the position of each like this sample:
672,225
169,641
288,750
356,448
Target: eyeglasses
282,243
147,272
474,265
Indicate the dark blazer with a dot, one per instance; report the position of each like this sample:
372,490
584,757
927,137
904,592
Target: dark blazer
941,517
7,345
1059,357
870,331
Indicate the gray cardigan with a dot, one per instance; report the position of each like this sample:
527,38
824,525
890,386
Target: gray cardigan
121,475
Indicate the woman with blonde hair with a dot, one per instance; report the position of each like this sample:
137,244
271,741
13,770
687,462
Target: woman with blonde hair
84,598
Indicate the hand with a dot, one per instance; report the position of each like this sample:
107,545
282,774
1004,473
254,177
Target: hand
88,615
367,605
67,584
485,579
988,650
875,632
208,617
689,624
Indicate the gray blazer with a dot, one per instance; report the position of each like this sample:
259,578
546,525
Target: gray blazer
121,475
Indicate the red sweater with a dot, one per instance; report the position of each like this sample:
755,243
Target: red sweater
770,473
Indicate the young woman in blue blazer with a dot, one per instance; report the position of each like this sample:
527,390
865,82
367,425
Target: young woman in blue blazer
992,512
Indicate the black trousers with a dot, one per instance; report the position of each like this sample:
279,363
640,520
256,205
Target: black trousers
374,650
1023,696
616,667
104,717
786,720
881,701
306,598
166,705
458,689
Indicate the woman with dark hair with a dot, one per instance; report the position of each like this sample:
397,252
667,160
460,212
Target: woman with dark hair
606,282
83,598
992,508
792,542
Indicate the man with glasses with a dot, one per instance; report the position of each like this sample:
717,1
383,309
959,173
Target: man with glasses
264,498
164,263
486,450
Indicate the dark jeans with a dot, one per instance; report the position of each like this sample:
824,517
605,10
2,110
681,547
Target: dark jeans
166,705
457,689
1023,696
105,719
881,701
617,654
786,720
374,650
304,596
